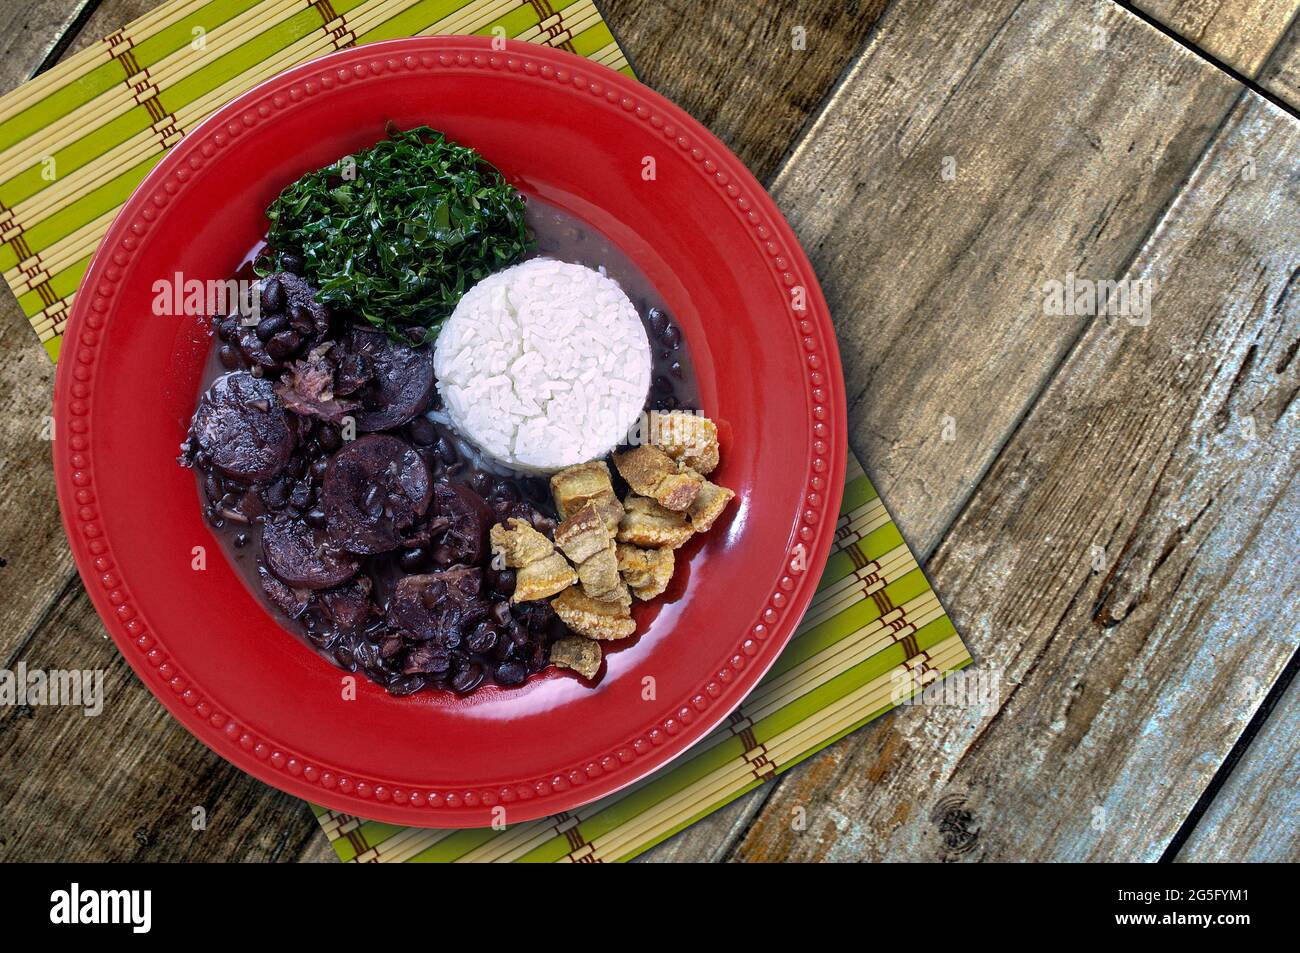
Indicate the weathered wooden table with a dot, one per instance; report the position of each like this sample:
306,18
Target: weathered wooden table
1108,505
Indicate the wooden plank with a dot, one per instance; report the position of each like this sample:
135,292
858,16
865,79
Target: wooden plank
1240,33
1125,566
710,839
35,564
128,783
1064,156
29,30
1256,815
753,74
316,849
1281,74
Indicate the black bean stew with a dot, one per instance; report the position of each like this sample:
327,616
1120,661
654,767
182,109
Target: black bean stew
362,521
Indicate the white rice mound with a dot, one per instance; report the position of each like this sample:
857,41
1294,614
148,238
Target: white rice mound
543,365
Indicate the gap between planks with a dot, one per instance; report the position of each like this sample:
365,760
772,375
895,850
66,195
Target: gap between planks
1231,71
1240,750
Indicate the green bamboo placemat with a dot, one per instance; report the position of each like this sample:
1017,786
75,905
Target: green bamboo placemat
74,143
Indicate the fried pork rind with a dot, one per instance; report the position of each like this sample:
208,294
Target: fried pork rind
708,506
540,572
578,654
646,523
543,578
519,544
583,535
647,571
680,490
593,618
689,439
621,594
599,574
609,508
644,468
651,472
574,487
589,544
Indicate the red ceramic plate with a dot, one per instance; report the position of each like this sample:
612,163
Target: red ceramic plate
732,273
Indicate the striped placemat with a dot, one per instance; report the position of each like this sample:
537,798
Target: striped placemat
75,141
875,630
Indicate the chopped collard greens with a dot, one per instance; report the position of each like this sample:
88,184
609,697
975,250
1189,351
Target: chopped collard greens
398,232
